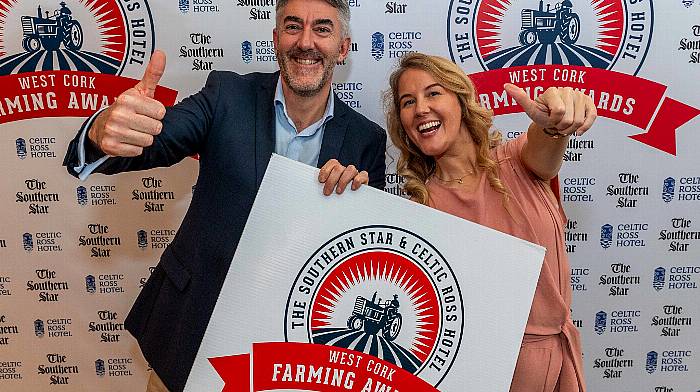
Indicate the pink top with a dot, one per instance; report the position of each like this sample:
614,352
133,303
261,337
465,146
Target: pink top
535,216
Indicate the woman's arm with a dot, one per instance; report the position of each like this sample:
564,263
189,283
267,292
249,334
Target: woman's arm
556,114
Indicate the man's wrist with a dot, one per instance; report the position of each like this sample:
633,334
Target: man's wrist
93,152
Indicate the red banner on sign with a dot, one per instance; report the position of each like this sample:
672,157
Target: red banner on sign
616,95
64,94
312,367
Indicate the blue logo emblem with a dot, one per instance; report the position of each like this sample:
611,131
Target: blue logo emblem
38,328
601,320
184,6
100,368
606,236
377,45
27,242
669,188
652,358
246,52
81,195
90,285
21,148
142,239
659,278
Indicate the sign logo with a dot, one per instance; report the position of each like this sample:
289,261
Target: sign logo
90,285
606,235
142,239
27,242
21,146
659,278
668,190
377,46
39,328
652,358
66,58
601,320
383,291
81,195
246,52
687,3
538,44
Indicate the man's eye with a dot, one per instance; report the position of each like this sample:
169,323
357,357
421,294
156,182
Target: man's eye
323,30
292,27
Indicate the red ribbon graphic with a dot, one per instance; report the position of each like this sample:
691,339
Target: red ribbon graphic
64,94
618,96
312,367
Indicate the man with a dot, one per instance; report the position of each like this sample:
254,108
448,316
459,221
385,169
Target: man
234,124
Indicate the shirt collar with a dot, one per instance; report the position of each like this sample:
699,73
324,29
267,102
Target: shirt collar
280,103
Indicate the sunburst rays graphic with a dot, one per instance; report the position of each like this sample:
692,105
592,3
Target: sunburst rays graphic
589,33
35,36
358,304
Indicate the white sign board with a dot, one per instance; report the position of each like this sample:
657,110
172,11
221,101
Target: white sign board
363,291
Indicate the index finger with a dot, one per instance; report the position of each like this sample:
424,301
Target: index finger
143,105
151,76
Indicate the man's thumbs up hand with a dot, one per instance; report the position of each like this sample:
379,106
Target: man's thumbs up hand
130,124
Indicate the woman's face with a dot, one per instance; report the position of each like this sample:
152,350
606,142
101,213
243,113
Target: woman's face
430,114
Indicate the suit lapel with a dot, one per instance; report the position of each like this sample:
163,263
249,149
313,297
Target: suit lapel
333,134
264,126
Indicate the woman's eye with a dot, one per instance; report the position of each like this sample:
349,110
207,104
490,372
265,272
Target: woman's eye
407,102
434,93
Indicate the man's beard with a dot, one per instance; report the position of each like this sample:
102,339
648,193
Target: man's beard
299,88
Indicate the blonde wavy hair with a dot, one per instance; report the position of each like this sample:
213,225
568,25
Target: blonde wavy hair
417,167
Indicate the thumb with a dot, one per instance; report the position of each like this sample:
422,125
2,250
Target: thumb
532,108
151,77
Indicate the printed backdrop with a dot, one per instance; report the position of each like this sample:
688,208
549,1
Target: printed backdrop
73,256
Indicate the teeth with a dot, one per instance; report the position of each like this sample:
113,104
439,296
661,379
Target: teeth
306,61
429,125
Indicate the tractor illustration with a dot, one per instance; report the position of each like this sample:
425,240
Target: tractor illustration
374,317
50,31
546,25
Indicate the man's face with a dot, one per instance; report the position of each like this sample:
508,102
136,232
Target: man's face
308,42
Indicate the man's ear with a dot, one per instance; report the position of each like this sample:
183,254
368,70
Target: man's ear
344,49
274,38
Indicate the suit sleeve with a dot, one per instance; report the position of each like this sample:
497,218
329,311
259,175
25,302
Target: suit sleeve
377,167
185,128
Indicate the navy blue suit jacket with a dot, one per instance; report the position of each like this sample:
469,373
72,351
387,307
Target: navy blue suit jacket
230,123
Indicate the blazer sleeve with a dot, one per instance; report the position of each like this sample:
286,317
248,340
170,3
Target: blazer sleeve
377,166
185,129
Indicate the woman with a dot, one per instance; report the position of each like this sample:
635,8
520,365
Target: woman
452,163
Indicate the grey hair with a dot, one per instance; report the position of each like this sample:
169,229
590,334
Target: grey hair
342,6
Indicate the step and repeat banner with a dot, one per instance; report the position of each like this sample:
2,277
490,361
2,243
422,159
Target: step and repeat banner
74,255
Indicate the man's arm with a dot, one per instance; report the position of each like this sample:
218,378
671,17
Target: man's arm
137,132
377,170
